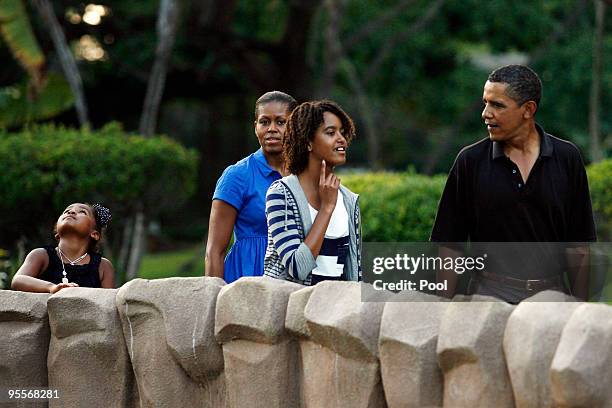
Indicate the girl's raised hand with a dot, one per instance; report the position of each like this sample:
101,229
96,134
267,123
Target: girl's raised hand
328,189
56,288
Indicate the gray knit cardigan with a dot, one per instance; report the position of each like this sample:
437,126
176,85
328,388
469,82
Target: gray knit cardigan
289,221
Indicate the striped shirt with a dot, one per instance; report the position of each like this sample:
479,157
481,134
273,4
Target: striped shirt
287,256
285,234
334,249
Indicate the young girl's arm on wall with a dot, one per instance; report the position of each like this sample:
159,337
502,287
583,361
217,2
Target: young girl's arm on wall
26,278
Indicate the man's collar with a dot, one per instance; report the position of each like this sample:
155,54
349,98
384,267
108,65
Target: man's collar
497,151
546,146
263,163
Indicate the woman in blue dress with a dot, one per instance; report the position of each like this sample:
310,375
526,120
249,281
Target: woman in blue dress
239,200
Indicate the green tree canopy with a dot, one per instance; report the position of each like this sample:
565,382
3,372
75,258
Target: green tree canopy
45,168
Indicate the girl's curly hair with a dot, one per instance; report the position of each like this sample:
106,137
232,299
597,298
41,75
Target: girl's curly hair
302,126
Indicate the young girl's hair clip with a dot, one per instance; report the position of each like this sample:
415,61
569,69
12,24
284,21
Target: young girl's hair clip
102,214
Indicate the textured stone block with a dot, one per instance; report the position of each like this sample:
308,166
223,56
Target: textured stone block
295,321
530,340
168,326
338,320
408,340
260,358
471,357
88,360
24,328
340,365
329,379
581,370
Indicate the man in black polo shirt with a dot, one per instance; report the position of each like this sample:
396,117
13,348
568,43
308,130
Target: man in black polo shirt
520,184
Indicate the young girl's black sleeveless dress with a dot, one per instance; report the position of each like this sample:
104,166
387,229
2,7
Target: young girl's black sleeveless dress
84,275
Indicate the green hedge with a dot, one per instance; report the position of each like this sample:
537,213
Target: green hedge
400,207
396,207
44,168
600,183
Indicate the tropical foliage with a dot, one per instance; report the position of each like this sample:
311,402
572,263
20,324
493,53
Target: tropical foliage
45,168
600,183
410,72
39,96
396,207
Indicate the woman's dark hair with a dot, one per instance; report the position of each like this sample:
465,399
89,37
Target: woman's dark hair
275,96
302,126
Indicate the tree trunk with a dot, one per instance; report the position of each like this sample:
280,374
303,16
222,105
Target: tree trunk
21,249
332,51
367,113
166,32
67,61
124,251
335,51
290,55
595,97
137,248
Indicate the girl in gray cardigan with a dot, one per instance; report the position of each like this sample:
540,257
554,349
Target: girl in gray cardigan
314,221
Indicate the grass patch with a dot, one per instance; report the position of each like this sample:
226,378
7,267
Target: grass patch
184,263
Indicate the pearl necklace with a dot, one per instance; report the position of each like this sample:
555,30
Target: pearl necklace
62,256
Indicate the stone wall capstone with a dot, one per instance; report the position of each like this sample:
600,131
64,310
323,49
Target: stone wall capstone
24,332
88,360
260,357
408,341
260,342
530,341
471,356
581,371
339,357
168,328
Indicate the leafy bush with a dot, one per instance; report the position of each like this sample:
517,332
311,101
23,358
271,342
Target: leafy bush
600,184
45,168
400,207
396,207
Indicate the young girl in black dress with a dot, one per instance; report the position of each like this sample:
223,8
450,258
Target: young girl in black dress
74,260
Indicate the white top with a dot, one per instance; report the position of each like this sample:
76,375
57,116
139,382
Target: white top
332,256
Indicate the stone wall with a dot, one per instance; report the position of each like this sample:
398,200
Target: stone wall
259,342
